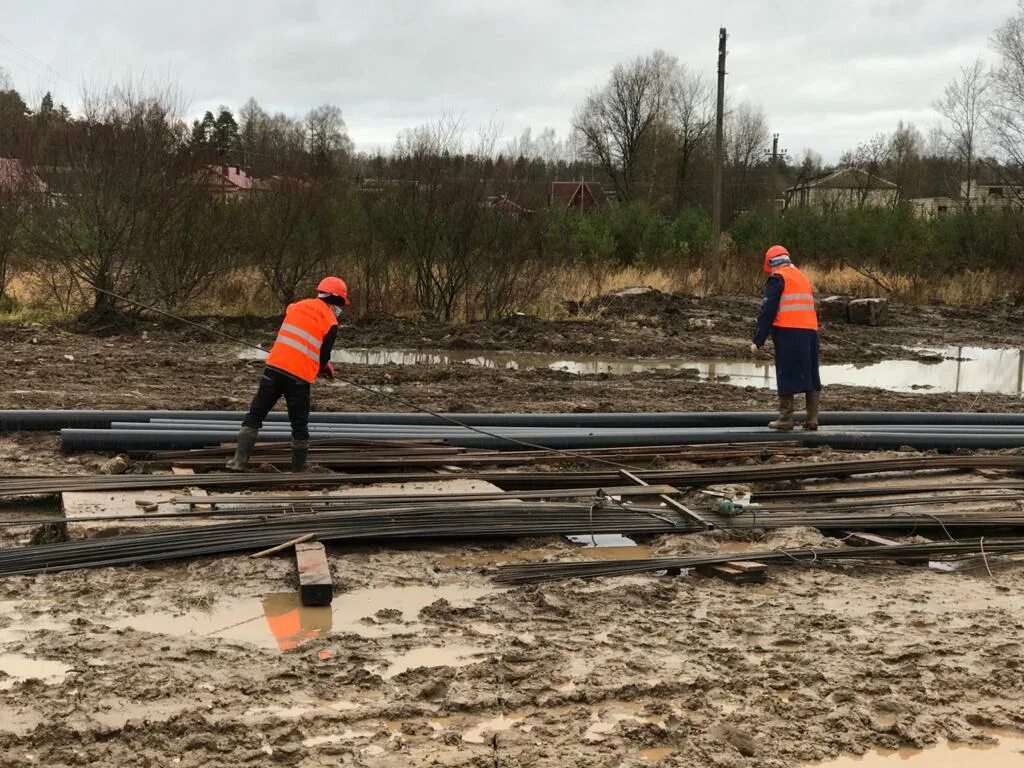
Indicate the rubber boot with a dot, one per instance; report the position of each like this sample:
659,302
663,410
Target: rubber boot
785,421
300,452
243,449
813,404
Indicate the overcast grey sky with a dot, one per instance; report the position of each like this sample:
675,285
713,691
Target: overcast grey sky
829,73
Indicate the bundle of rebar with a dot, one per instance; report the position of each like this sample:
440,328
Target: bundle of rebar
335,454
399,522
530,573
680,478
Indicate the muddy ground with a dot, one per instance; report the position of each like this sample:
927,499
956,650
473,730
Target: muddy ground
424,661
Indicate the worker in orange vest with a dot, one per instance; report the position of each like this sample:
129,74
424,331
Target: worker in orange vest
788,315
301,352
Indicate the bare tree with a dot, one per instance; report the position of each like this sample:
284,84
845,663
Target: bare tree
904,151
125,175
691,100
290,234
329,143
616,120
20,192
868,161
964,106
746,134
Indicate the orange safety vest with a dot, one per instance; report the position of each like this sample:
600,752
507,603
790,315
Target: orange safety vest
297,347
796,307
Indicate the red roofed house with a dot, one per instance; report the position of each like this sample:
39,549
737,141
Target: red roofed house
227,180
577,195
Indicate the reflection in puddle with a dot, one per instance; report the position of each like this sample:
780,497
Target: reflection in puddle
280,620
16,667
602,540
475,735
1009,751
955,369
454,655
605,718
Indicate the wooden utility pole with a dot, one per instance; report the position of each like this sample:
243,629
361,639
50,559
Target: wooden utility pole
716,192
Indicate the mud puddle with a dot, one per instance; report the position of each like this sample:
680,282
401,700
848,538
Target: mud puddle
950,370
279,621
16,667
1007,752
476,734
455,655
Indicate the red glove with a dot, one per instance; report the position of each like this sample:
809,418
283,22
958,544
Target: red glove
327,371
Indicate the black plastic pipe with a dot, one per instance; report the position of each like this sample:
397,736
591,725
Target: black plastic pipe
24,420
139,440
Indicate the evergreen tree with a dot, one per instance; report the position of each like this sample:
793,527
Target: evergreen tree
46,106
225,140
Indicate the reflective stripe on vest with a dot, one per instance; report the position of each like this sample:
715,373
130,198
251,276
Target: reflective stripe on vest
796,305
300,338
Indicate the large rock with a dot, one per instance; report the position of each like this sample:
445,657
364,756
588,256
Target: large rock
834,308
868,311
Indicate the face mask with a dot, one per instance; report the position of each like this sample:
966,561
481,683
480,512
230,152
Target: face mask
337,311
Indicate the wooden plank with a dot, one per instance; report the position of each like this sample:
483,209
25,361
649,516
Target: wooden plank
862,539
86,504
315,585
737,572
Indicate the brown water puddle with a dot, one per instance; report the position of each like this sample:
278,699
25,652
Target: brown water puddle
1007,752
16,667
953,369
655,754
454,655
476,734
279,621
605,717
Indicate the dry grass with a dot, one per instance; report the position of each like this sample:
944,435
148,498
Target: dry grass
243,292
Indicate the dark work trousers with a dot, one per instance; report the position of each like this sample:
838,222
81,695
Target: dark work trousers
273,384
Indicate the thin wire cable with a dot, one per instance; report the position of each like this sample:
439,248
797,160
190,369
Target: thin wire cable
394,398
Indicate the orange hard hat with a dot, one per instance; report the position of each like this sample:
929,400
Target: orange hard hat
335,286
775,256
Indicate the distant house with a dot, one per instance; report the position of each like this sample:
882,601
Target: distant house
18,178
930,207
991,193
843,189
577,195
504,204
227,181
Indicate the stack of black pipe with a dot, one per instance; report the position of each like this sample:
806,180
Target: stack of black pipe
157,430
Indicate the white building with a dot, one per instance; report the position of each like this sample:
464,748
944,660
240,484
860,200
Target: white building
843,189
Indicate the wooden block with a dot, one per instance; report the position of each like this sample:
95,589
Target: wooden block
315,586
737,572
182,471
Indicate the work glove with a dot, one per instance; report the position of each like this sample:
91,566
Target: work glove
327,371
753,348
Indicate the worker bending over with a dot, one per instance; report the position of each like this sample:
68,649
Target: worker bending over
301,352
788,315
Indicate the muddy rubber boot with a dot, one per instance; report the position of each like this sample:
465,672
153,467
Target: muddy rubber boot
300,452
243,449
785,421
813,404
